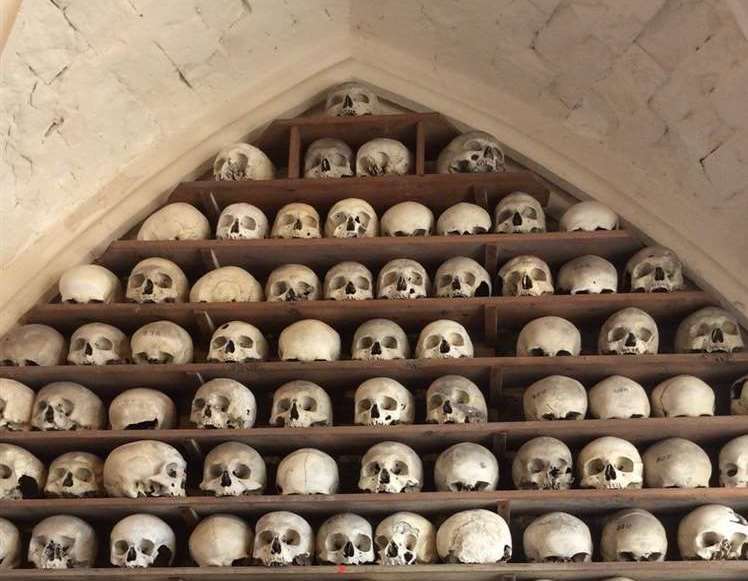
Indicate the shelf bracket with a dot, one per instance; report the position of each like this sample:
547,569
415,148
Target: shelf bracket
209,258
210,206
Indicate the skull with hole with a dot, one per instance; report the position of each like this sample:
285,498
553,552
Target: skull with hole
345,539
282,539
307,471
526,276
380,339
588,217
10,545
557,537
142,408
403,278
713,532
142,540
98,344
63,542
75,475
709,330
444,339
381,401
309,340
157,280
32,345
405,538
543,463
391,467
474,536
242,221
676,463
89,283
453,399
16,405
733,463
223,404
64,405
161,342
237,342
549,337
328,158
383,157
618,398
519,213
233,469
292,282
462,277
296,220
22,475
463,219
241,161
610,463
654,269
301,404
683,396
228,284
351,99
629,331
408,219
738,397
471,152
221,540
352,218
178,221
145,468
588,275
633,534
555,397
466,467
349,281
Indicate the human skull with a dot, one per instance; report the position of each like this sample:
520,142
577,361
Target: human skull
351,99
157,280
403,278
549,337
283,538
557,537
352,218
713,532
381,401
654,269
733,463
349,281
391,467
383,157
301,404
463,219
145,468
462,277
307,471
380,339
64,405
242,221
241,161
543,463
629,331
444,339
519,213
588,217
16,404
22,475
408,219
98,344
328,158
237,342
676,463
466,467
588,275
296,220
142,408
223,404
10,545
633,534
161,342
610,462
309,340
738,397
474,536
453,399
63,542
555,397
228,284
345,539
89,283
405,538
683,396
471,152
75,475
178,221
618,398
233,469
709,330
526,276
142,540
32,345
292,282
221,540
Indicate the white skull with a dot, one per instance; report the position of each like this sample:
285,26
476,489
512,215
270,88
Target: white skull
654,269
228,284
713,533
352,218
403,278
618,398
224,404
733,463
178,221
161,342
682,396
98,344
466,467
629,331
633,534
738,397
89,283
221,540
381,401
380,339
463,219
23,474
328,158
32,345
391,467
157,280
10,545
588,275
309,340
453,399
345,539
383,157
241,161
588,217
242,221
471,152
63,542
610,462
349,281
474,536
676,463
709,330
142,540
292,282
16,403
64,405
296,220
555,397
557,537
237,342
301,404
142,408
543,463
444,339
75,475
462,277
405,538
549,337
282,539
145,468
408,219
307,471
233,469
519,213
351,99
526,276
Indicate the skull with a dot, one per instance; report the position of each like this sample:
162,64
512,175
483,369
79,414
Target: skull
328,158
471,152
654,269
10,545
296,220
405,538
142,408
63,542
587,275
391,467
709,330
349,281
16,403
380,339
345,539
237,342
403,278
733,463
588,217
444,339
22,475
75,475
301,404
32,345
555,397
408,219
738,397
65,405
381,401
229,284
519,213
462,277
557,537
309,340
383,157
221,540
713,532
161,342
241,161
242,221
233,469
292,282
142,540
223,404
157,280
351,100
351,218
466,467
474,536
610,462
633,535
543,463
549,337
89,283
676,463
178,221
283,538
618,398
526,276
307,471
453,399
629,331
98,344
145,468
463,219
683,396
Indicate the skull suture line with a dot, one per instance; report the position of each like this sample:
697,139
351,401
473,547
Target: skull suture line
178,221
633,535
466,467
351,218
382,401
145,468
519,213
32,345
462,219
309,340
98,344
89,283
157,280
65,405
351,100
349,281
162,342
142,540
283,538
242,221
543,463
75,475
292,282
629,331
588,217
22,475
142,408
408,219
228,284
557,537
380,339
471,152
618,397
474,536
391,467
221,540
555,397
224,404
654,269
62,542
444,339
709,330
345,539
403,278
328,158
233,469
237,342
16,404
462,277
610,462
301,404
296,220
405,538
713,532
307,471
383,157
549,337
453,399
241,161
526,276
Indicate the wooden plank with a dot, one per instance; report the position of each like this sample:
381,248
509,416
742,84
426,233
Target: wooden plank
294,153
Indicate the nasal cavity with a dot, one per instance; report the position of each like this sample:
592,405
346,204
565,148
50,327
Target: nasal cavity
659,273
444,347
517,219
717,335
610,472
376,349
630,340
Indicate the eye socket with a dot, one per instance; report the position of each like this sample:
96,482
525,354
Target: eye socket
389,279
242,471
336,100
248,222
308,404
644,269
291,537
456,339
361,98
227,220
364,405
363,543
266,537
121,547
137,280
381,542
338,282
538,274
710,538
66,406
366,342
216,470
436,400
79,344
221,402
400,469
287,219
703,329
147,547
84,474
445,279
163,281
730,328
595,466
530,212
644,334
618,334
284,404
363,283
388,404
504,215
390,342
410,542
171,470
336,542
218,342
60,473
373,468
198,403
246,342
470,278
103,344
279,288
309,221
624,464
536,465
461,396
730,470
338,160
416,278
432,341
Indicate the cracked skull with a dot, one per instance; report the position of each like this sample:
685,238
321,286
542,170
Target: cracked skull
557,537
309,340
157,280
588,217
65,405
241,161
142,540
10,545
403,278
444,339
383,157
349,281
307,471
292,282
549,337
709,330
237,342
296,220
89,283
471,152
405,538
351,100
380,339
408,219
63,542
629,331
555,397
228,284
620,398
713,533
32,345
519,213
463,219
233,469
543,463
654,269
462,277
301,404
588,275
351,218
453,399
381,401
142,408
526,276
610,462
16,405
345,539
633,535
283,538
676,463
466,467
242,221
733,463
328,158
75,475
98,344
145,468
223,404
474,536
162,342
178,221
391,467
683,396
221,540
22,475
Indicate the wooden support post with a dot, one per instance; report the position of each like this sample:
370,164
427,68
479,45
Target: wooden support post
209,258
420,148
480,195
197,378
210,206
491,325
505,511
193,450
205,323
498,445
495,387
491,261
294,152
190,517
